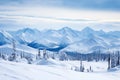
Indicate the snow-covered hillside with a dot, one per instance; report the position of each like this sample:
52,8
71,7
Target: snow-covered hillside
29,54
21,71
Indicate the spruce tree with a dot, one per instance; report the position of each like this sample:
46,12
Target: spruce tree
0,55
118,59
81,64
63,56
113,62
13,56
108,61
45,56
38,56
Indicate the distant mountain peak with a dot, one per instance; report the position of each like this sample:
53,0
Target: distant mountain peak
87,29
27,29
66,28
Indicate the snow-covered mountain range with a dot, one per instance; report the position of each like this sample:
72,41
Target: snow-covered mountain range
65,39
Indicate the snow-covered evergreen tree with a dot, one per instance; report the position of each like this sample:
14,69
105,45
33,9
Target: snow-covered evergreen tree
3,56
63,56
0,55
113,61
53,56
109,65
30,60
81,65
13,56
22,55
118,59
38,56
45,55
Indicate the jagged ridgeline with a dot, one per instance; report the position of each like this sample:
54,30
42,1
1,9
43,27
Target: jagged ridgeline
88,43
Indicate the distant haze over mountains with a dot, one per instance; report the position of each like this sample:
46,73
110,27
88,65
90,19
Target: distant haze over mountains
64,39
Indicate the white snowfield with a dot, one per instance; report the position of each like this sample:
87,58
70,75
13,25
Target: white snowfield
55,71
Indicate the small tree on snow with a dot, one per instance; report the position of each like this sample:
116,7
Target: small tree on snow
0,55
29,59
13,56
109,66
118,59
91,69
22,54
63,56
4,56
81,65
53,56
45,56
113,62
38,56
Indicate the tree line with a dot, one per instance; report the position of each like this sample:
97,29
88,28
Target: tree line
113,58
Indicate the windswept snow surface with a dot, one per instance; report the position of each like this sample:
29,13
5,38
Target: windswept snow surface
22,71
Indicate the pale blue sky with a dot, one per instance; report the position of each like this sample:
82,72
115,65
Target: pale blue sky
78,4
46,14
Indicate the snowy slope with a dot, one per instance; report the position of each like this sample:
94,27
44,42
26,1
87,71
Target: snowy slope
20,48
20,71
5,37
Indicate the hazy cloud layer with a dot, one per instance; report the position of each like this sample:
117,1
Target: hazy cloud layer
47,14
